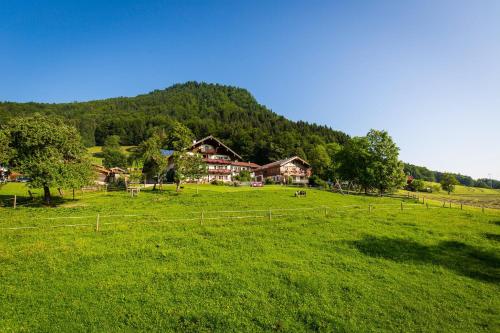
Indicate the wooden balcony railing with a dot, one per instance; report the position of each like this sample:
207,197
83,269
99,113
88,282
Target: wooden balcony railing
219,171
215,161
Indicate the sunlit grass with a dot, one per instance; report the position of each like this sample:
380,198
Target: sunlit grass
340,269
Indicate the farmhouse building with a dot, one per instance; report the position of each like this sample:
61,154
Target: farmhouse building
292,169
223,164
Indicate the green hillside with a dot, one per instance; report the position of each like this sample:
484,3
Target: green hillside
323,262
230,113
474,196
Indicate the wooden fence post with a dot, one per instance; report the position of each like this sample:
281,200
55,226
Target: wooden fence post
483,209
461,208
97,223
15,201
401,205
202,217
326,211
369,208
269,214
450,204
427,204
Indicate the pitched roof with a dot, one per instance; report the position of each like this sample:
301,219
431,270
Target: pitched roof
248,164
284,161
219,141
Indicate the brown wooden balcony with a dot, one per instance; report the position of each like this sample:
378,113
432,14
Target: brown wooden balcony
220,171
215,161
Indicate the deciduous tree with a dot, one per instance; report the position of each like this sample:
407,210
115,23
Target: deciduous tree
112,153
448,182
48,151
387,170
188,165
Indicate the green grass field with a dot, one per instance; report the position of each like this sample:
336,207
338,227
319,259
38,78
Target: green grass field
331,266
472,196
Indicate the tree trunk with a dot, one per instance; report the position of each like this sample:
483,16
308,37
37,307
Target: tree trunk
46,194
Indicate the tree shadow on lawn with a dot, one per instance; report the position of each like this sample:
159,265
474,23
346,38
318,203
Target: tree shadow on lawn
35,202
457,256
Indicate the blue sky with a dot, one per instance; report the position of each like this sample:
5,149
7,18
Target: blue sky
426,71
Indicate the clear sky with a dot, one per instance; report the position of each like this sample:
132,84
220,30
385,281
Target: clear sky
426,71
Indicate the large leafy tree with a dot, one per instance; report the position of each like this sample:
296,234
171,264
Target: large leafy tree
49,151
188,166
5,149
179,137
448,182
386,168
320,161
355,163
155,163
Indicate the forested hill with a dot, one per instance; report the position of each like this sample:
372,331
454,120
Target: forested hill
420,172
230,113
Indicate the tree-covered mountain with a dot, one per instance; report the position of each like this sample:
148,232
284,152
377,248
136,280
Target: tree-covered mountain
230,113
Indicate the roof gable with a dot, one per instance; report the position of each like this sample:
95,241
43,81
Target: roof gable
212,139
285,161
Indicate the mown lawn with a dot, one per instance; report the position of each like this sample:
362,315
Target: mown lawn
345,269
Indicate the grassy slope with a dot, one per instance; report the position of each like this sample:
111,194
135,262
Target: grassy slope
410,270
467,195
96,151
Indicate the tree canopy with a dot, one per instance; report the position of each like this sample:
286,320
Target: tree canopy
112,153
48,151
448,182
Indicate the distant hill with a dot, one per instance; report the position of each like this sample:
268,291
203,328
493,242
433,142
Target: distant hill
230,113
423,173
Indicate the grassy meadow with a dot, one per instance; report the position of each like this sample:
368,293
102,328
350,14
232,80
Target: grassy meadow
324,262
473,196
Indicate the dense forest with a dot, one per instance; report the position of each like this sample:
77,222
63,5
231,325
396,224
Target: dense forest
420,172
229,113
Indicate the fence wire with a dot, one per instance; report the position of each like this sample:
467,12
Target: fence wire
207,215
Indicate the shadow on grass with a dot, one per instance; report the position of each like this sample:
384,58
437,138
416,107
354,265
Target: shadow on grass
456,256
493,237
36,202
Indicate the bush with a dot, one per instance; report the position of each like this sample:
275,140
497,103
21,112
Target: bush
316,181
269,181
435,188
217,182
416,185
243,176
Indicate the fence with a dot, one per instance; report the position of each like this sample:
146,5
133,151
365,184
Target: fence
98,221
